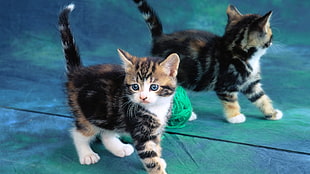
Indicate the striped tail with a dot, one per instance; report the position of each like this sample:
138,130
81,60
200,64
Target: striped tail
73,61
150,18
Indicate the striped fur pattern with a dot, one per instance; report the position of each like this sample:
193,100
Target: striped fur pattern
110,100
227,64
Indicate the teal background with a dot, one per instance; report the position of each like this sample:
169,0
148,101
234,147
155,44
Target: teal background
35,117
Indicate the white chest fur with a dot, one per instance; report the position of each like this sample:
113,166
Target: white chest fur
161,108
254,60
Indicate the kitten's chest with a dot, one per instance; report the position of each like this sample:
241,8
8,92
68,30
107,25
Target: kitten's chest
161,110
161,113
254,61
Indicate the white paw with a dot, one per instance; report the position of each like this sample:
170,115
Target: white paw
125,150
163,163
237,119
193,117
277,116
89,159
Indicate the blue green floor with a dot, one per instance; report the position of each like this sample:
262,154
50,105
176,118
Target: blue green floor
40,143
35,119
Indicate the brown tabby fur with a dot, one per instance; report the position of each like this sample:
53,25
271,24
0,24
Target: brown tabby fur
110,100
226,64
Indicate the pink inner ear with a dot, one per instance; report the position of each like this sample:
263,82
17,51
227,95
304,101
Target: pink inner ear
169,70
171,64
266,28
172,73
265,21
232,13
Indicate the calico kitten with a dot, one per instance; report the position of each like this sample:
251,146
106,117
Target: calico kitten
227,64
109,100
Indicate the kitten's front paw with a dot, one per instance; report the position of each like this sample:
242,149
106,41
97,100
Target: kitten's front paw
237,119
161,169
277,115
193,116
89,159
125,150
163,163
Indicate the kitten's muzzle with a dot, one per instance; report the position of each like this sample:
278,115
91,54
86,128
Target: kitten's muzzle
143,98
269,43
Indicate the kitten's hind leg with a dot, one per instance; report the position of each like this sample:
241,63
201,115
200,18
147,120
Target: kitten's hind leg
231,107
86,154
112,143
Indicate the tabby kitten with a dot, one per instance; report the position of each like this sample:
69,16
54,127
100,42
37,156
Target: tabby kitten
109,100
227,64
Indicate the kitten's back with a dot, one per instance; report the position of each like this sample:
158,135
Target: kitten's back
183,42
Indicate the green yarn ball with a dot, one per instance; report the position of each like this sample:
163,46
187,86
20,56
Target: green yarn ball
181,110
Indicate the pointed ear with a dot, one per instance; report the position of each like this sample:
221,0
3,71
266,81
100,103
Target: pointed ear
126,58
264,22
171,64
232,13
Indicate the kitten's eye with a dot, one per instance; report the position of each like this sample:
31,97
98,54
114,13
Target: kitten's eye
135,87
154,87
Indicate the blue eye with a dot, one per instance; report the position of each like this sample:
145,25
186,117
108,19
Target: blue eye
135,87
154,87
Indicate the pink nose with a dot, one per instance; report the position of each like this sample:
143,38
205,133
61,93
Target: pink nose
143,97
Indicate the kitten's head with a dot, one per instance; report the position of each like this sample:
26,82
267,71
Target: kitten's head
249,30
149,80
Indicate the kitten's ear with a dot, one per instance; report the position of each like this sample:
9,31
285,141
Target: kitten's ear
171,64
126,57
232,13
264,22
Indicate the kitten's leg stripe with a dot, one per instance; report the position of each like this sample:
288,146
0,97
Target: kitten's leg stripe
147,154
150,165
85,153
150,152
265,105
228,97
254,91
251,86
256,96
140,147
112,143
155,165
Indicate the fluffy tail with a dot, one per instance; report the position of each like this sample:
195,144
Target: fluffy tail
72,56
150,18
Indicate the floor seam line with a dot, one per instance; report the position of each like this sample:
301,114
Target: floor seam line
37,112
240,143
171,132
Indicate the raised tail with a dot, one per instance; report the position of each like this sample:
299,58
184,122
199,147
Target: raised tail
73,60
150,18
